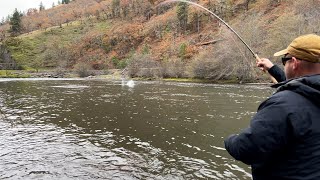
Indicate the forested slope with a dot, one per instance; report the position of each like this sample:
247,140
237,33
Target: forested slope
152,40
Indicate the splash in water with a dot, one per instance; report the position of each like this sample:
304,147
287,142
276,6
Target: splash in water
129,83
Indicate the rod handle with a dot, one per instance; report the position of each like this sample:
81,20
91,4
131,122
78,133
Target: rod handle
271,77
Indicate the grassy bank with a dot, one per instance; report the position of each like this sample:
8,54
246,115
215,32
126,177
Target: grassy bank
14,74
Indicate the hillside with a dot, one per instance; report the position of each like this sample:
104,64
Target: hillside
151,40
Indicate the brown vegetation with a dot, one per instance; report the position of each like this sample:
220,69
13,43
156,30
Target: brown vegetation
162,41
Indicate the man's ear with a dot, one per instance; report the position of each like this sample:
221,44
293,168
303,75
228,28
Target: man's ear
295,63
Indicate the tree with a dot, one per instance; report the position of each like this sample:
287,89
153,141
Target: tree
41,6
2,21
65,1
32,11
15,23
182,13
115,8
195,21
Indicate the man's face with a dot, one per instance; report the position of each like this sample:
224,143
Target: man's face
292,66
287,61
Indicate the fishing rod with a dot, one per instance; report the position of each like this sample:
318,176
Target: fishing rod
221,20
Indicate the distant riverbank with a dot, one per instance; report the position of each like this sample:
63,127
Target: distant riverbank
112,74
56,74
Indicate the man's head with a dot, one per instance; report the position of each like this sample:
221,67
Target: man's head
302,56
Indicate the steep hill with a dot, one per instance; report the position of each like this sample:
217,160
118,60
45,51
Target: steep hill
152,40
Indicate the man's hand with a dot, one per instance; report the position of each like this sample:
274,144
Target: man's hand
264,64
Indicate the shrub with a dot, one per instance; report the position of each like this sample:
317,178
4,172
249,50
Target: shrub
173,68
143,66
212,65
182,50
83,69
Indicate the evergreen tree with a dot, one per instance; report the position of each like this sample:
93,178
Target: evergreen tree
65,1
41,6
182,14
15,23
3,21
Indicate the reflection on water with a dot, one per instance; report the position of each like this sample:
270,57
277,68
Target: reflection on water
77,129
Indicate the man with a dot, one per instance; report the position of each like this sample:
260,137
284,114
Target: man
283,139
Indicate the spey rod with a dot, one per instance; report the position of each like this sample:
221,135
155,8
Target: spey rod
228,26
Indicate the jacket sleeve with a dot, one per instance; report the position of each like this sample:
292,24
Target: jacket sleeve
277,73
266,135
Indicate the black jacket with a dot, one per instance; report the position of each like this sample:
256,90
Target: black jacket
283,140
277,73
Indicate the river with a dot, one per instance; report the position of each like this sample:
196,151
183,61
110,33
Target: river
100,129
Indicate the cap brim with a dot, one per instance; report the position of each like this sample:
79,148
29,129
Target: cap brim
280,53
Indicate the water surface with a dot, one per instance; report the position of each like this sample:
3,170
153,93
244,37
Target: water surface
91,129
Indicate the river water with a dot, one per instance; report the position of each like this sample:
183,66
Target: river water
99,129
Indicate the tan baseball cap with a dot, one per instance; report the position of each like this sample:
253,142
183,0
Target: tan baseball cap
306,47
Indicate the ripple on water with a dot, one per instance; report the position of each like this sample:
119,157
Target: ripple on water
45,152
53,134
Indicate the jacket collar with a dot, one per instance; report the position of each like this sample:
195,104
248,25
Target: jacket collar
315,76
307,86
